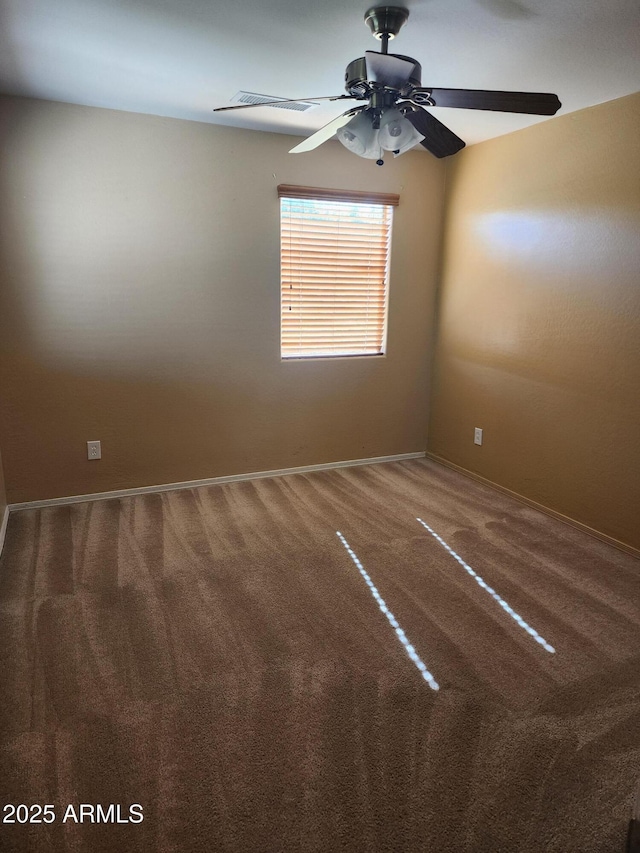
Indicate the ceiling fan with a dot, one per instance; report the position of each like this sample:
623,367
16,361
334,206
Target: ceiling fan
394,117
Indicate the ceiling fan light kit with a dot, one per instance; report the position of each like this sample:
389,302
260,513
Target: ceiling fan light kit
394,117
395,134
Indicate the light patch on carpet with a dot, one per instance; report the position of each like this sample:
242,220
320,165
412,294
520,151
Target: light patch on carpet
433,684
532,631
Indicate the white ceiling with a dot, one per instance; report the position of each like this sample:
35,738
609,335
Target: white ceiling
181,58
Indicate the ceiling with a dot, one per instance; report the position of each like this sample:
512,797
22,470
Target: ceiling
182,58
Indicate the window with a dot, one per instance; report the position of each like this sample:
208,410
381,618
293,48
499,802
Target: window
335,250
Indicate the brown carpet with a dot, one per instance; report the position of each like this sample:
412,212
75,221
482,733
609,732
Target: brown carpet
216,656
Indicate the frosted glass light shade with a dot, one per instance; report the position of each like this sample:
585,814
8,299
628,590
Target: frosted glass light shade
359,136
396,132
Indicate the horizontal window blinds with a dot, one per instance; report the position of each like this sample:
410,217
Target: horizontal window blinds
334,265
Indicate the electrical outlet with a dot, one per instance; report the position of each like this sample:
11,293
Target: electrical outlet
477,436
94,450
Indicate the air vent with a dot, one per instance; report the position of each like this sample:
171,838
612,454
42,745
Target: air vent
269,100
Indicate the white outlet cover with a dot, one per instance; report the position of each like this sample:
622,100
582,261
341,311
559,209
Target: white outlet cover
94,451
477,436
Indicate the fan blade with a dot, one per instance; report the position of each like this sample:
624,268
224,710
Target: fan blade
325,132
438,139
387,69
534,103
277,101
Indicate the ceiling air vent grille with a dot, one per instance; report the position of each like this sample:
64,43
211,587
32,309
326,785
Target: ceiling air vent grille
270,100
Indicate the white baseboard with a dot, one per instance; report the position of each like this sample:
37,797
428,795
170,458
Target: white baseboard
3,527
212,481
572,522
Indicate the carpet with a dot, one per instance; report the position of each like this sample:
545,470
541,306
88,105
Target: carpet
215,669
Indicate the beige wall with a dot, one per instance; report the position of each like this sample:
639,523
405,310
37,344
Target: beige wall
139,304
539,318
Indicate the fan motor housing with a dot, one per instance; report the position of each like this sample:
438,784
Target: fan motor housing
356,82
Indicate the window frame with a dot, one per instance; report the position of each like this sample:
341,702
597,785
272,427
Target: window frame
289,191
